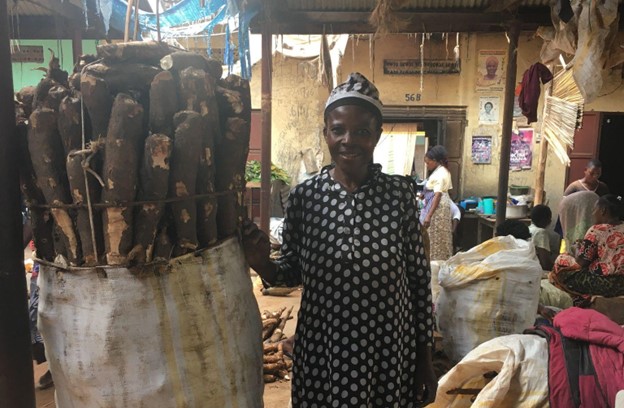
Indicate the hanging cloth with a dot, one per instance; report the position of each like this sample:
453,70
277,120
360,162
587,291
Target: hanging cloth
530,93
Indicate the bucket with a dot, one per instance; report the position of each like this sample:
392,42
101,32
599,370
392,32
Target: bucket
488,206
180,335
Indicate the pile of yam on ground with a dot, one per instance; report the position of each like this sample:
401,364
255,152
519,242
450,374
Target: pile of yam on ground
275,366
138,156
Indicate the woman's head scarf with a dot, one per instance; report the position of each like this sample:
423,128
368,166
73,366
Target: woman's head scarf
356,90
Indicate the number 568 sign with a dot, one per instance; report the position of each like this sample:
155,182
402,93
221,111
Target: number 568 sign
412,97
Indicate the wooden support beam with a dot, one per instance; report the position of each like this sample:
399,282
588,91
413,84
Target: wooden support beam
77,45
314,22
502,5
16,370
505,152
265,169
543,152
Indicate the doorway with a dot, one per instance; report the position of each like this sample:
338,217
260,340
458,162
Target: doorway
444,125
599,137
610,151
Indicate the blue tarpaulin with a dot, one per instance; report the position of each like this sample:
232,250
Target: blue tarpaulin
189,18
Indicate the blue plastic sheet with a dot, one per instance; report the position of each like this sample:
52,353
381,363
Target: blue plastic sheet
189,18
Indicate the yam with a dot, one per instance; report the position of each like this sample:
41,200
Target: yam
124,76
206,178
42,92
153,186
194,90
98,102
121,162
184,165
231,151
55,96
149,52
163,103
90,238
26,97
180,60
70,124
163,246
46,150
41,219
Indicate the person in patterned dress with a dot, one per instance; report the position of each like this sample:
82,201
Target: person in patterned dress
597,268
352,238
436,216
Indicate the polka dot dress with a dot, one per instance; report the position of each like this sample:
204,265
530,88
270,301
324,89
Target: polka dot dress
366,301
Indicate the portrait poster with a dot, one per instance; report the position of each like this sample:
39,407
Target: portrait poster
488,110
482,149
521,149
491,70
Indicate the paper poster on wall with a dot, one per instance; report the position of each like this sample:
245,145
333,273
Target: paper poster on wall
482,149
488,110
521,149
491,70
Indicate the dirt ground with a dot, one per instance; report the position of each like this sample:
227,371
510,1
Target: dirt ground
276,395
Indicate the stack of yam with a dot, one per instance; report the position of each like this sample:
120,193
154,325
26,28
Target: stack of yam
275,364
137,156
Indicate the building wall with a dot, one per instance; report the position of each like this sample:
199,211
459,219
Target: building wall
298,101
26,74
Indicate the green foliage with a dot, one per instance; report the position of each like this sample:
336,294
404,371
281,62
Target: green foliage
253,170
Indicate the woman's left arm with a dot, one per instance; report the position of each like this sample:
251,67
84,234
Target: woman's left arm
588,249
434,206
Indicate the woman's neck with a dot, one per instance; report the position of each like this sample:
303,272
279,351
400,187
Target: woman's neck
350,180
588,185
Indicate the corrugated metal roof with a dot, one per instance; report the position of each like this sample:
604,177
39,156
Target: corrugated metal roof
38,7
367,5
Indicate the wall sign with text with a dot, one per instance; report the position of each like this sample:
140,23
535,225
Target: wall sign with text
413,66
27,53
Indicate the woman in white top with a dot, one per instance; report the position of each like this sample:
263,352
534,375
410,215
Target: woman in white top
436,216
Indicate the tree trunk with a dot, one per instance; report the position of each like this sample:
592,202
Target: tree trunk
122,152
153,186
184,165
44,144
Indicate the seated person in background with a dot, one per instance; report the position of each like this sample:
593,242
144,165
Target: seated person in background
597,265
590,182
547,242
456,216
517,229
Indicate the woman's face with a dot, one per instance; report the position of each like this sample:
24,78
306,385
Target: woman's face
592,174
430,163
351,133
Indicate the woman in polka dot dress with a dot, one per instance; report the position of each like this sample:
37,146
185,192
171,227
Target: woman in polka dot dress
352,239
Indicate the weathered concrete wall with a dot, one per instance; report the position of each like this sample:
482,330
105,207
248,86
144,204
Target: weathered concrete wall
297,120
298,101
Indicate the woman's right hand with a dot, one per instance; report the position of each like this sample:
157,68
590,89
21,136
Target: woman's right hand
426,223
256,245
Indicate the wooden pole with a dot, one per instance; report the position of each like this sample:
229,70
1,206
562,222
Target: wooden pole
158,20
77,45
16,370
127,23
265,170
543,152
510,85
135,34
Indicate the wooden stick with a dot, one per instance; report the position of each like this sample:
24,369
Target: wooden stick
127,24
136,20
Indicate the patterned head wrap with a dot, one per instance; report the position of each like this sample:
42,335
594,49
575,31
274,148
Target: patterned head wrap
357,90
